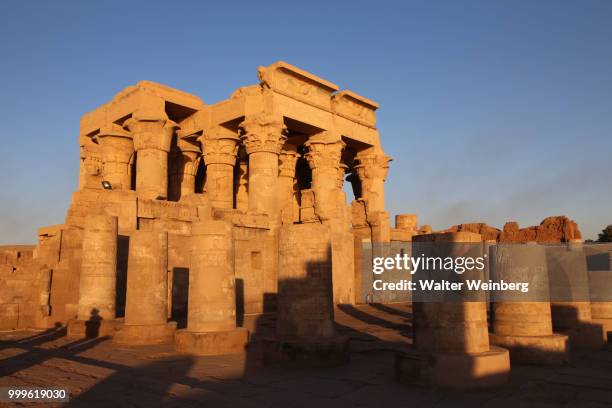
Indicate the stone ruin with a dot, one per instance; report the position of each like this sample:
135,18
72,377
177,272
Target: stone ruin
201,212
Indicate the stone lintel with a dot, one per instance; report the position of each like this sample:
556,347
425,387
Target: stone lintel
353,96
270,76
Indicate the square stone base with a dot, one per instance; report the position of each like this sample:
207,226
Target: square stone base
87,329
212,343
455,371
537,350
607,329
325,352
142,335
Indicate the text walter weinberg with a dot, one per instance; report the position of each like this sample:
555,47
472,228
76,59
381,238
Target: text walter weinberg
459,265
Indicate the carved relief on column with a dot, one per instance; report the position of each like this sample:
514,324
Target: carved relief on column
324,159
91,166
117,151
263,133
287,161
372,171
342,169
263,137
152,134
219,147
183,167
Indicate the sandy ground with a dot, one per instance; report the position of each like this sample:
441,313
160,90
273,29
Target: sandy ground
100,374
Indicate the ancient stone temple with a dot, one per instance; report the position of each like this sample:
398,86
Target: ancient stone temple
173,190
189,217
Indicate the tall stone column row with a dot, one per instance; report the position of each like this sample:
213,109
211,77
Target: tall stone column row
263,137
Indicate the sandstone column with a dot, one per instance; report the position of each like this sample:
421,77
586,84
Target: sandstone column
286,183
305,334
263,137
220,147
324,158
185,161
600,287
242,181
152,133
146,305
98,279
324,161
372,169
90,170
525,327
211,326
570,297
98,268
407,222
451,337
117,152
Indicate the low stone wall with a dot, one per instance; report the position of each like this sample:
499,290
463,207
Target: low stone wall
18,279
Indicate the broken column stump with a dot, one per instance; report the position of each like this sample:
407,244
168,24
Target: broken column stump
211,317
451,338
525,327
305,333
147,291
570,297
98,280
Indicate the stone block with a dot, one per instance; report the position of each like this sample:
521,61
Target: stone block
212,343
455,371
322,352
146,334
87,329
550,349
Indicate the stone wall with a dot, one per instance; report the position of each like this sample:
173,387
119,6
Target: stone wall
18,280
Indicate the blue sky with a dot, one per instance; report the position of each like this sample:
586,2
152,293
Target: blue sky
492,110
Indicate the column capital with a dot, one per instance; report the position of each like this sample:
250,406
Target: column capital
263,133
219,146
151,131
116,143
324,153
373,165
287,161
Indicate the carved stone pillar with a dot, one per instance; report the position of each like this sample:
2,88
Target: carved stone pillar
98,268
184,165
211,318
324,161
219,148
147,291
286,182
90,170
242,181
263,137
372,171
152,134
117,151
